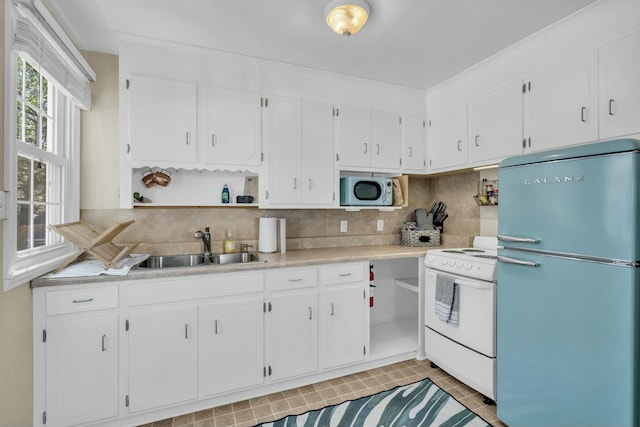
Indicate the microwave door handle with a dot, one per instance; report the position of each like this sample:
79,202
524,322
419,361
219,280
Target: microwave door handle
513,239
508,260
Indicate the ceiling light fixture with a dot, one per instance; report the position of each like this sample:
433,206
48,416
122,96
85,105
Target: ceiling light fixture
346,17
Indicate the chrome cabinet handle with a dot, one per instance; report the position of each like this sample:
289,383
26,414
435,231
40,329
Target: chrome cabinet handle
213,139
186,331
309,183
215,327
459,145
332,309
80,301
477,140
377,148
188,138
583,114
295,183
299,279
104,343
310,313
508,260
612,105
366,148
344,274
505,238
410,151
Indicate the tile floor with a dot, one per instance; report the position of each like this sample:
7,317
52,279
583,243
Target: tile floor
295,401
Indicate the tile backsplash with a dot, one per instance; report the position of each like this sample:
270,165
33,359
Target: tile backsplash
171,230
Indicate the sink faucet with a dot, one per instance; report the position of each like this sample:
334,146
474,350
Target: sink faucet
206,240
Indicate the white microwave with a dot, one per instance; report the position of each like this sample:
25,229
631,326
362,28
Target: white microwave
362,191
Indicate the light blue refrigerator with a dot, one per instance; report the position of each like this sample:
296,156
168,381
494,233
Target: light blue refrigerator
568,301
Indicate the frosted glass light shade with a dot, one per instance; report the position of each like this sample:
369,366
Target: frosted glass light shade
346,17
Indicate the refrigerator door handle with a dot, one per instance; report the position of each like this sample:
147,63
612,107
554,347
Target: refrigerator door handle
517,261
505,238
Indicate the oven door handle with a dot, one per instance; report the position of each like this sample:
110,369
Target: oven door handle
474,284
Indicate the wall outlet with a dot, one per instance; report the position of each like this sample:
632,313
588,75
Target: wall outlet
381,225
343,226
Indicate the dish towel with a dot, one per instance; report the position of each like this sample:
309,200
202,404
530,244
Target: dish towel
447,299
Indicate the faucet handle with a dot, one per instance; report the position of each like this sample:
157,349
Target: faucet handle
245,247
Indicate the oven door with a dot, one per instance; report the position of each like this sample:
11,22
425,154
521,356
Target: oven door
477,321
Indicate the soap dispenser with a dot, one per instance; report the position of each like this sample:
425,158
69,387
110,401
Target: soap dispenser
229,242
225,194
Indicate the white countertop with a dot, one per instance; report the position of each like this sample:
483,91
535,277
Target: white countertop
293,258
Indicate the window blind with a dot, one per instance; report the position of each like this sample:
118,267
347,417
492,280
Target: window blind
41,44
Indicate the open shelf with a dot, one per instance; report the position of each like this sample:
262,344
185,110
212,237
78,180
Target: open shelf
409,283
394,337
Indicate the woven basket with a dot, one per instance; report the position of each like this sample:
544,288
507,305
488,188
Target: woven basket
412,236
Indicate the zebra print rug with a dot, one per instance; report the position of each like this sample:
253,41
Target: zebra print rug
419,404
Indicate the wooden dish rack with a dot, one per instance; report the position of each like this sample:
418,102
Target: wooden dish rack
90,243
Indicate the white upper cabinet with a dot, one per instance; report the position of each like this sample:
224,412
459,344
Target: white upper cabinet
495,124
386,134
318,154
162,120
447,135
230,126
414,143
560,104
353,130
282,133
299,153
368,139
620,87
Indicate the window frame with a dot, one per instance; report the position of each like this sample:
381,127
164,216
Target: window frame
20,268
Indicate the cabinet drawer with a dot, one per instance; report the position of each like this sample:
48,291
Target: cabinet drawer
343,273
78,300
292,278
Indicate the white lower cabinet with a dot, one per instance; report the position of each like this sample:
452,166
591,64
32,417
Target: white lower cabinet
342,313
81,369
231,340
292,334
163,356
133,351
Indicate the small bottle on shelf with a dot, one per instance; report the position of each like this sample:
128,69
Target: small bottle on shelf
225,194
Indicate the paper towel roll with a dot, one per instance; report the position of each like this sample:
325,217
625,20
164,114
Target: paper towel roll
267,238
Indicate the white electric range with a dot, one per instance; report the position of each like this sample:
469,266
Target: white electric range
467,351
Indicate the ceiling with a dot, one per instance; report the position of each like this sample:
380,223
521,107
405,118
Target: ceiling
413,43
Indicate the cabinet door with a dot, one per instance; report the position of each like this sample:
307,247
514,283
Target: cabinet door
318,154
163,357
385,140
620,88
82,370
293,334
560,105
413,129
283,135
343,337
231,126
162,120
495,124
232,337
447,134
354,136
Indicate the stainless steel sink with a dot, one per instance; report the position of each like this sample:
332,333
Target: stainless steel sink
233,258
167,261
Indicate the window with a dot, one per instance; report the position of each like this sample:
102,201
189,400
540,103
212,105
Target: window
47,85
40,160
